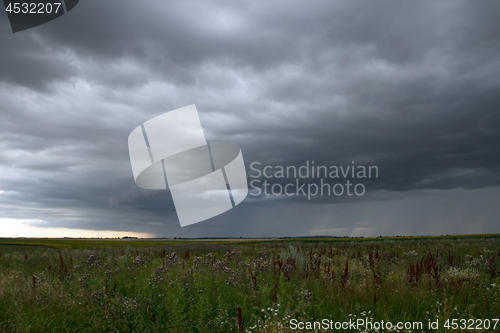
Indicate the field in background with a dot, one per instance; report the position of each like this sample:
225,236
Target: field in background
243,285
10,244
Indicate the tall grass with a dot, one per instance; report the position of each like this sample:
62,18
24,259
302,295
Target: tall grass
245,287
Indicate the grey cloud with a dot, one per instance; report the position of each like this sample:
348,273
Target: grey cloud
410,87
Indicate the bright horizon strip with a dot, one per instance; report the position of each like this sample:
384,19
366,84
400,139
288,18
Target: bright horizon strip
10,227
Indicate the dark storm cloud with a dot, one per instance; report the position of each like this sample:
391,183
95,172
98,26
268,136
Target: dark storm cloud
411,87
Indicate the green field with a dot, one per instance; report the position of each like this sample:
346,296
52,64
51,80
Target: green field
243,285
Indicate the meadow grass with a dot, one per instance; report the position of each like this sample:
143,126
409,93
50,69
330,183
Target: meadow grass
50,285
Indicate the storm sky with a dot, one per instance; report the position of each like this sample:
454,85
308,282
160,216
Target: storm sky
410,87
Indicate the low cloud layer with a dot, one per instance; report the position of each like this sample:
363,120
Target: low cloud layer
412,88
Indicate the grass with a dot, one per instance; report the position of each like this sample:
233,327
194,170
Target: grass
71,285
